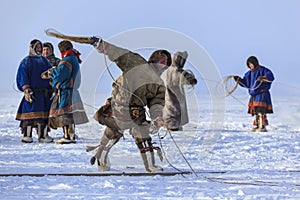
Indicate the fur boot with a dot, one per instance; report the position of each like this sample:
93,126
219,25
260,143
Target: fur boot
27,134
260,123
146,150
108,140
68,137
43,133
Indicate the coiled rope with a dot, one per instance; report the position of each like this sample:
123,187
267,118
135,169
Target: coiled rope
229,88
182,81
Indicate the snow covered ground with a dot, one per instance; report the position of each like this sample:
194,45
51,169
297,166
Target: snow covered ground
230,162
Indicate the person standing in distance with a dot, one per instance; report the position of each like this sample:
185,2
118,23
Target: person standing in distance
258,80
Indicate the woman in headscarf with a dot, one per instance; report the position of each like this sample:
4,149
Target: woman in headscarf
34,108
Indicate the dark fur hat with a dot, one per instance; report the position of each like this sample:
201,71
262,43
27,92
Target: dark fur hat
65,45
155,56
50,46
253,60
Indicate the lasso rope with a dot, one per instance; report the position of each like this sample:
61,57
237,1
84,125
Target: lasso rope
185,159
165,155
230,89
183,81
227,89
287,85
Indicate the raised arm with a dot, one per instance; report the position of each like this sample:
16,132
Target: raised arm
124,59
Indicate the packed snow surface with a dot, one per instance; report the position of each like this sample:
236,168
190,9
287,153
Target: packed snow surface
226,162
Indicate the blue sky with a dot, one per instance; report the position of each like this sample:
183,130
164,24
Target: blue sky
229,31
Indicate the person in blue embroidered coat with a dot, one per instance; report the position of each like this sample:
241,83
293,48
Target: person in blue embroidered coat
34,108
67,108
258,80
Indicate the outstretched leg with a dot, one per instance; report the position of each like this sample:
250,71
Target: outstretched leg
109,138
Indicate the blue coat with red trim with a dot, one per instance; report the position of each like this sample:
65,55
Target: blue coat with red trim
259,91
29,73
67,100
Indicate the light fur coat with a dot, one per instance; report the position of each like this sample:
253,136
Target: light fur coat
175,112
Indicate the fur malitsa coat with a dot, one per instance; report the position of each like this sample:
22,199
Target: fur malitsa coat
175,112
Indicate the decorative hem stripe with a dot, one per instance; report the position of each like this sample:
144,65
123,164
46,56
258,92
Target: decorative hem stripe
32,115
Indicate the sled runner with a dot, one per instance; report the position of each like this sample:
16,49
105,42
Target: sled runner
101,174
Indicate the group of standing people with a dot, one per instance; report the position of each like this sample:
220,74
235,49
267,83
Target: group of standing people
51,98
140,92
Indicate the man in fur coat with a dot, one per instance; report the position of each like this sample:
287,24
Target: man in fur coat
175,113
140,86
258,80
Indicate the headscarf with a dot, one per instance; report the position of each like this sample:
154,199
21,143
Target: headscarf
32,48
